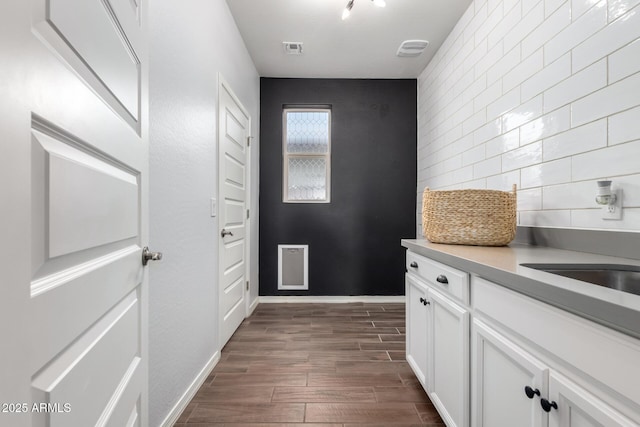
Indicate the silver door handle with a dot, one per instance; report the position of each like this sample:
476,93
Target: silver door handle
225,233
147,255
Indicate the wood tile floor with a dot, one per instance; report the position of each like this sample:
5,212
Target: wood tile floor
314,365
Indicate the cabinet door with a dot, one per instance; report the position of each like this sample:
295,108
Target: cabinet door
501,371
575,407
449,355
416,323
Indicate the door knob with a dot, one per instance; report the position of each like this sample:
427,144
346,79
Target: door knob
225,233
147,255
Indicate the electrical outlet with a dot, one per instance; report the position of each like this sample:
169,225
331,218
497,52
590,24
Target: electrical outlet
614,211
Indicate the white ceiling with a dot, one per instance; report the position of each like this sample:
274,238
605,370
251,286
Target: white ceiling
362,46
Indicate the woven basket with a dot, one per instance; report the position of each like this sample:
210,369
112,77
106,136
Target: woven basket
469,217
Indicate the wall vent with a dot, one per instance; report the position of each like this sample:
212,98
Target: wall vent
410,48
293,267
292,48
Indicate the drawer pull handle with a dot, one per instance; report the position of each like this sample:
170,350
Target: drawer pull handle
414,264
442,279
546,405
531,392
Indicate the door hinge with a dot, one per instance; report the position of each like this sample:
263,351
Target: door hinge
247,285
247,213
249,141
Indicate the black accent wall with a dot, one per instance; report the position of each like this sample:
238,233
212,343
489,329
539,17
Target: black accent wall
354,241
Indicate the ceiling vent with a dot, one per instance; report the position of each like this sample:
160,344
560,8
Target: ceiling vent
292,48
410,48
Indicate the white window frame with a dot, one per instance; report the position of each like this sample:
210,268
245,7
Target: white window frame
286,155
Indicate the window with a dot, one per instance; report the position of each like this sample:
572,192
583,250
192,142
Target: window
306,152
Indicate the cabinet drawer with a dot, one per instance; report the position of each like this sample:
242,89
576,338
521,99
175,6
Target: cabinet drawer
447,279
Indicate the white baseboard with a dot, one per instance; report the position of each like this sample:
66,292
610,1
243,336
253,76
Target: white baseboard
182,403
253,305
376,299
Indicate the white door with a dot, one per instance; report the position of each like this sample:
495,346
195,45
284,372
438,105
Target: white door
449,355
501,372
73,173
417,326
234,127
570,405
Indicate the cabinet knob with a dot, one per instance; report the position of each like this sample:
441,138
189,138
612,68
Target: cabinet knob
414,264
531,392
424,301
442,279
546,405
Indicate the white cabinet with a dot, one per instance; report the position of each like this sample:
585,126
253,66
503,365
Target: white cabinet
500,373
570,405
449,355
491,357
438,336
416,323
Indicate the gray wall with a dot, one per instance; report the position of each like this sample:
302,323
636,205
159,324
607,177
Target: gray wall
354,241
190,43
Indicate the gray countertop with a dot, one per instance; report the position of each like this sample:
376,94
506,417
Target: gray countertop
615,309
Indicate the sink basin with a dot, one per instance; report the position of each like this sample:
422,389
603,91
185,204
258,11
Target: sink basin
624,278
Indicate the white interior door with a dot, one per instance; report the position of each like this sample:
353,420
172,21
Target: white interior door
73,167
234,127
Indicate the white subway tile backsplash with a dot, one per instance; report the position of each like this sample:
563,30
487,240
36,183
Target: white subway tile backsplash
592,218
474,155
503,143
561,218
618,8
511,19
546,78
547,125
615,35
549,173
621,159
576,86
549,28
530,200
624,126
575,141
505,103
495,16
579,30
624,62
575,195
607,101
526,112
508,61
531,20
487,168
491,94
474,122
488,131
579,7
522,157
504,181
527,68
541,93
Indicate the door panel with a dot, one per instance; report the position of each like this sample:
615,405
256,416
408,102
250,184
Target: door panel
501,372
418,325
450,358
233,133
74,160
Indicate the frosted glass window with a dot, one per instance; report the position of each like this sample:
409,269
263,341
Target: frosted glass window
306,154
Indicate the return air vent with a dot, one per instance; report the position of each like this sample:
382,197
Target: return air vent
292,48
410,48
293,267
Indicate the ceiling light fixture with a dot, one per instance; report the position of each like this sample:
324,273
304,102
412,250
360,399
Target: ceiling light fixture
347,9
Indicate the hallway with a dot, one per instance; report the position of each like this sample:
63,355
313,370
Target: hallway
314,364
